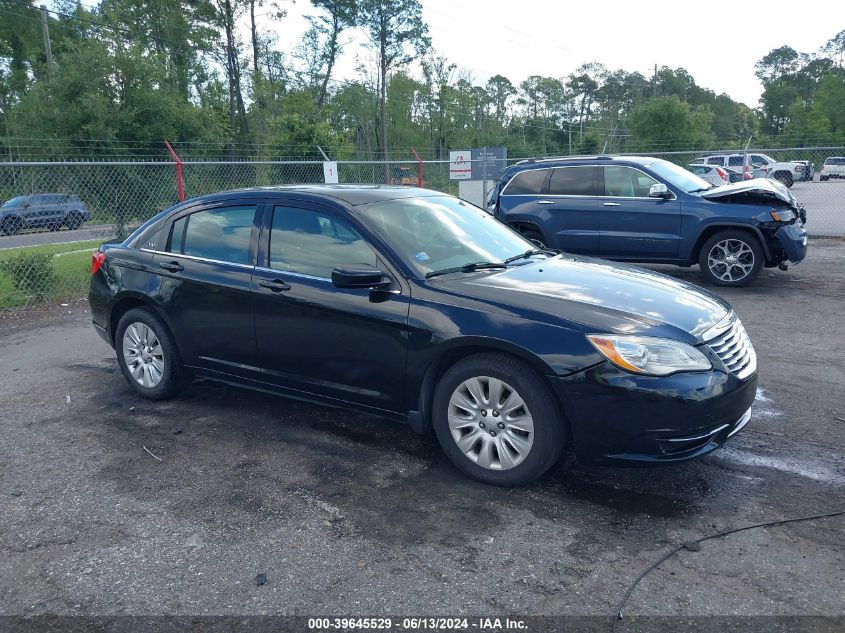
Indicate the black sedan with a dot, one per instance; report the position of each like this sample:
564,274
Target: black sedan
414,305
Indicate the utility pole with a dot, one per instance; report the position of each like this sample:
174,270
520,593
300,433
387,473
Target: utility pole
45,27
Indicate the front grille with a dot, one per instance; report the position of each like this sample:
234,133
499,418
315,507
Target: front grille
731,344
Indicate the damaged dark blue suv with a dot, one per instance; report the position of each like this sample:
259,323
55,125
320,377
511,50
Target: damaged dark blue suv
640,209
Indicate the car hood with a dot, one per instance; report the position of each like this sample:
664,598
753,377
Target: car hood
757,189
599,295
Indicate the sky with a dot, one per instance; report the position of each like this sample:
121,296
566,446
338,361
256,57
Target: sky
717,42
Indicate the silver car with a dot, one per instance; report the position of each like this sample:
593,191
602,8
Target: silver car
713,174
50,210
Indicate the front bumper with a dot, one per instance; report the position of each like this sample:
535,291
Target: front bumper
793,239
619,417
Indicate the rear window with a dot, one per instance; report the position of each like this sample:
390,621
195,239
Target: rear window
573,181
527,183
834,161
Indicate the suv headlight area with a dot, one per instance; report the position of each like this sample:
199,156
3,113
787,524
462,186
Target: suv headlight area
649,355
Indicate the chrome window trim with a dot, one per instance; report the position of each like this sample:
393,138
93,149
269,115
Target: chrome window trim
291,272
198,259
585,197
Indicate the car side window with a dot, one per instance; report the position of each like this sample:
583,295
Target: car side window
219,234
715,160
573,181
735,161
314,243
626,182
526,183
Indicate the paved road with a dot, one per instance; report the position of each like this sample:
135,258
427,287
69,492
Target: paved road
351,515
37,238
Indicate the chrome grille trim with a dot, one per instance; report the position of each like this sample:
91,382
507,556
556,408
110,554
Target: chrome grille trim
729,341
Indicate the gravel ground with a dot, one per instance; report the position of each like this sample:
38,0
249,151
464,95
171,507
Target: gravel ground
348,515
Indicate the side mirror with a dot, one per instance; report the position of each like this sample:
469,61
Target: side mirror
357,276
659,190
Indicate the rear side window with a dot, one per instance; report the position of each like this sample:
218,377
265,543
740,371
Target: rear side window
220,234
715,160
735,161
527,183
573,181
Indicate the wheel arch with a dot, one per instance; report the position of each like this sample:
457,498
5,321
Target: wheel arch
126,302
520,225
454,351
711,229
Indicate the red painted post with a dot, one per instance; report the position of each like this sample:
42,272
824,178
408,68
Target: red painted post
180,181
419,168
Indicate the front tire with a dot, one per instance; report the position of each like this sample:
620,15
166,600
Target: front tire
12,226
148,356
497,420
731,258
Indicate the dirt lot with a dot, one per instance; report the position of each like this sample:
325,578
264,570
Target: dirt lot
348,515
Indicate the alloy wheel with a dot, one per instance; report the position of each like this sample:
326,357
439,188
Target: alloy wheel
490,423
731,260
143,355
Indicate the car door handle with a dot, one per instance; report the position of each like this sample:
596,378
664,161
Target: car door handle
172,266
612,204
276,285
545,201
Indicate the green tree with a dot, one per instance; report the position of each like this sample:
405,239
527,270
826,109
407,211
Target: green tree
395,31
667,123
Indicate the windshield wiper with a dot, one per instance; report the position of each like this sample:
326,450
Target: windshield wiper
702,189
533,251
466,268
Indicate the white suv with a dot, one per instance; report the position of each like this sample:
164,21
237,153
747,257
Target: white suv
764,166
834,167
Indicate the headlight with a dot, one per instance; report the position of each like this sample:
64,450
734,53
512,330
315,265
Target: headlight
782,215
649,355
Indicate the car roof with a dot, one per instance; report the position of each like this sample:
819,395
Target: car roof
350,194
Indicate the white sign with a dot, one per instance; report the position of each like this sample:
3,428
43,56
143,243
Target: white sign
460,167
330,172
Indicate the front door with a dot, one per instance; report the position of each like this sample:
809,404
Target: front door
344,344
633,225
205,278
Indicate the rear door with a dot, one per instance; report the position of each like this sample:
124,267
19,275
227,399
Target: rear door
206,269
633,225
339,343
561,201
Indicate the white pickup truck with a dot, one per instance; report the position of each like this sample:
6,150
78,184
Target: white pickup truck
786,172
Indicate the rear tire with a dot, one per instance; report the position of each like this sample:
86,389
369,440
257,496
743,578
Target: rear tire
823,178
784,178
74,221
148,356
497,420
533,234
731,258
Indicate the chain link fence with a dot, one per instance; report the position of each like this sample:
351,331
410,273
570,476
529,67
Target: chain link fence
55,214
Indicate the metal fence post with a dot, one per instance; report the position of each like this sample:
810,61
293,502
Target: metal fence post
180,181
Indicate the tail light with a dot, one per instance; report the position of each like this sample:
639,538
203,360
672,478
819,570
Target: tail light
97,261
722,173
746,173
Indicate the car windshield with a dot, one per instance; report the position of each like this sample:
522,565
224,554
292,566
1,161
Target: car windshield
438,233
14,202
678,176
